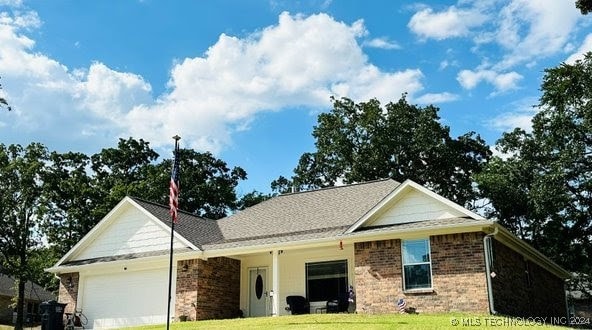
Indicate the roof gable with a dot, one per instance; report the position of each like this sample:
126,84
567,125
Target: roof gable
127,229
411,202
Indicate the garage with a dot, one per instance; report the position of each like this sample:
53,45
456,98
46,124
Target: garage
124,299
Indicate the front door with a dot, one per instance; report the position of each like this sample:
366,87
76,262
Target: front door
258,292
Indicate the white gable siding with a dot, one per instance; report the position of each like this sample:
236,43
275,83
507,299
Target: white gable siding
414,206
132,232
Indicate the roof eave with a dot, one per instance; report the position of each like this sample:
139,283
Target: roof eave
64,269
350,238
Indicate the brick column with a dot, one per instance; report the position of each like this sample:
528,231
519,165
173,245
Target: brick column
68,291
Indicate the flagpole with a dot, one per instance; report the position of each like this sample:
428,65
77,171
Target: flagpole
173,220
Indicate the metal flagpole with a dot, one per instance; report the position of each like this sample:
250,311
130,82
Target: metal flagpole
173,203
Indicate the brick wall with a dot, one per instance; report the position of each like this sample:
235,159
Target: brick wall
68,292
516,293
458,276
213,285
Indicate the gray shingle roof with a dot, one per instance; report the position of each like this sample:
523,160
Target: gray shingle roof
290,217
282,238
309,215
197,230
32,291
307,211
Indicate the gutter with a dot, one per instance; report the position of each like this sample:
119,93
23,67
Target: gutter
486,247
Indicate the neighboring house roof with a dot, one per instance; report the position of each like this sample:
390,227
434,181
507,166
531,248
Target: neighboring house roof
32,291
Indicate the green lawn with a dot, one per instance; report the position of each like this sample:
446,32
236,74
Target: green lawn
363,321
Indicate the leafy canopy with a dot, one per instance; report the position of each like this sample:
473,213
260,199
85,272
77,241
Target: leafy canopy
365,141
543,189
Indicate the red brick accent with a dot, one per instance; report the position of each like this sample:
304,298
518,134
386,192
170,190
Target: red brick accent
68,292
517,292
458,276
213,285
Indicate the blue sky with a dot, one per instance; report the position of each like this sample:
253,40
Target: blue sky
247,79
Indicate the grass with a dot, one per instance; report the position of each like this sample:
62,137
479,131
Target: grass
363,321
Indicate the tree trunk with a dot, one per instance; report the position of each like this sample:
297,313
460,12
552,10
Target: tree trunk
20,304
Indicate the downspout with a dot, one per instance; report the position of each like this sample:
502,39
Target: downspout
487,238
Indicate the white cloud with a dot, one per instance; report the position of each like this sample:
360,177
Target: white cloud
109,93
508,121
299,62
584,48
11,3
453,22
519,117
526,30
501,81
435,98
382,43
533,29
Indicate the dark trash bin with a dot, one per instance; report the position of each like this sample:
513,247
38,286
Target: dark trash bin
52,315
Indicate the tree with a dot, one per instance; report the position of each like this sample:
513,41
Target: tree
251,199
207,184
121,171
70,197
365,141
585,6
20,213
543,190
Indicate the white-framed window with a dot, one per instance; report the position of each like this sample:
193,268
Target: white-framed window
417,264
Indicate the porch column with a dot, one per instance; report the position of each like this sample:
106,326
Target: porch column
275,279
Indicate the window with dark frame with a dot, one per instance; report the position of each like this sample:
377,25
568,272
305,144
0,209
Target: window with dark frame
417,264
326,280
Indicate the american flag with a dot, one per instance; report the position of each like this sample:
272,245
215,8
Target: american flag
401,304
174,189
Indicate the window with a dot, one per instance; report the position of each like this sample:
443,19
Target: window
326,280
417,266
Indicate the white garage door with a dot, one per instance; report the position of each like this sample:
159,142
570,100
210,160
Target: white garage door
125,299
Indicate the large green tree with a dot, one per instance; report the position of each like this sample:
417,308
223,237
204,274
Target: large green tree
81,190
121,171
365,141
207,184
585,6
21,184
71,198
543,188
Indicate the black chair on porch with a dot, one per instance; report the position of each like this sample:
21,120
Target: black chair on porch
337,305
297,305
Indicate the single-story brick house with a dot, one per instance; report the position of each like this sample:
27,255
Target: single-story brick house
34,295
388,240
